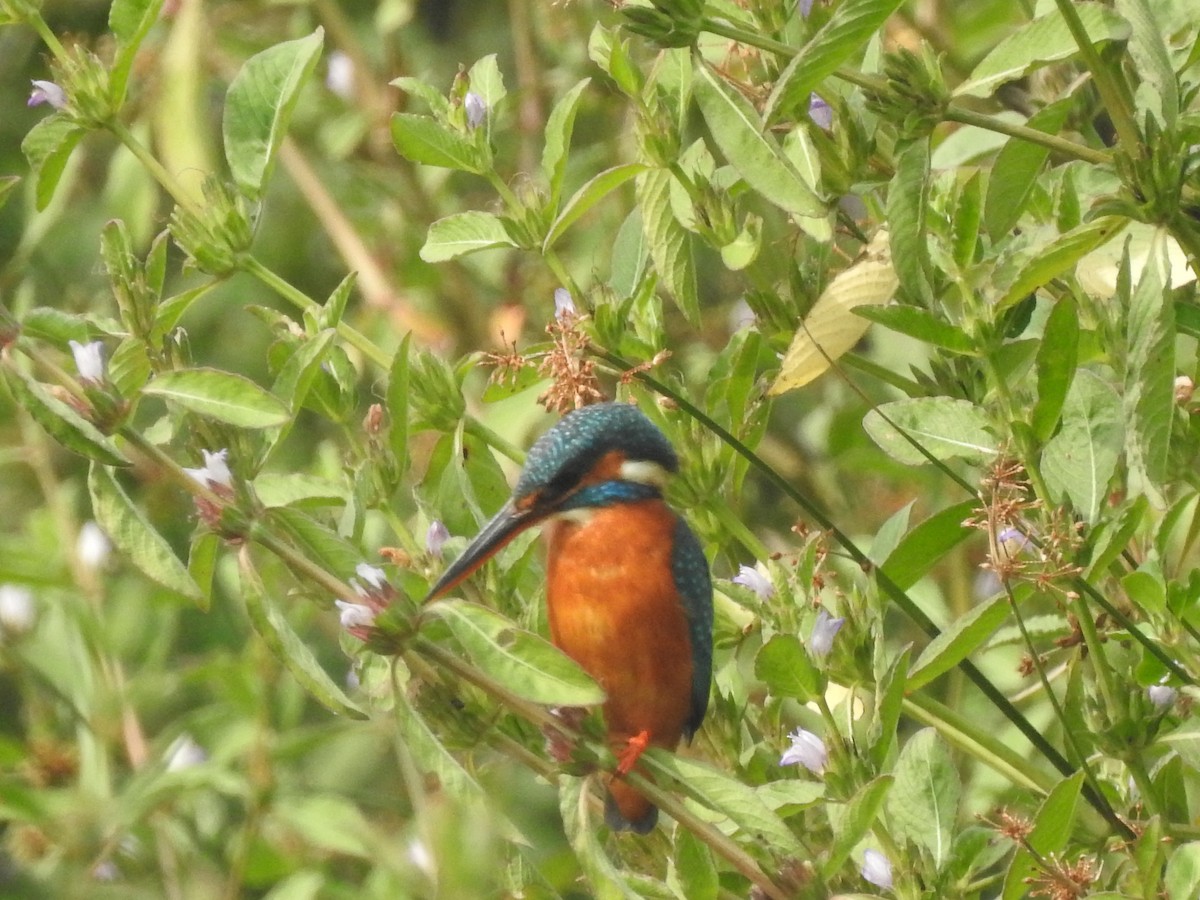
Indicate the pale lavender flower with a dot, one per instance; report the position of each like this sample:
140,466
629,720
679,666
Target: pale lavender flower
215,473
876,869
17,612
807,749
825,629
375,577
436,537
475,108
339,77
820,112
92,546
804,7
184,753
1161,695
89,360
354,615
47,92
105,870
564,304
751,578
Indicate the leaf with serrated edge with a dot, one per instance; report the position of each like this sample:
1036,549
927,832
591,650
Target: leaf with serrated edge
947,428
750,150
670,244
220,395
559,126
279,636
528,665
61,422
462,233
1038,43
923,802
1080,460
831,328
258,107
427,141
133,535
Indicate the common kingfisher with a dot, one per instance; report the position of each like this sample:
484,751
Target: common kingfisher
628,592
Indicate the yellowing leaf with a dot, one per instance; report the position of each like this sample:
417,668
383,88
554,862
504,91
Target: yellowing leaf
831,327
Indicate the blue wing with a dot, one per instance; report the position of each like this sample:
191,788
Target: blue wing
690,570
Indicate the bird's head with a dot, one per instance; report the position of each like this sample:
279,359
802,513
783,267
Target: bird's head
595,456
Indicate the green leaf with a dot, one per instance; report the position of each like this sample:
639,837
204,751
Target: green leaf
729,796
848,30
298,373
1056,360
752,151
7,183
851,822
960,639
462,233
1051,831
599,187
220,395
1182,879
61,422
48,146
783,665
670,244
171,310
907,201
921,324
319,543
559,127
258,107
132,534
1039,265
130,21
279,636
927,543
1152,57
605,881
697,873
1148,401
1042,41
1014,173
1079,461
923,803
202,564
428,142
432,755
945,427
524,663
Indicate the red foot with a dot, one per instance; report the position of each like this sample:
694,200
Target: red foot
628,757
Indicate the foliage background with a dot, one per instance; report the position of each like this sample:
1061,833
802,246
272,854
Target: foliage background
156,735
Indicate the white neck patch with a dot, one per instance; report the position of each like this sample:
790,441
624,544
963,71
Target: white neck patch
643,471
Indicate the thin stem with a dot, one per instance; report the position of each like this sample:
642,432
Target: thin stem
1025,133
49,38
165,179
1113,93
1099,659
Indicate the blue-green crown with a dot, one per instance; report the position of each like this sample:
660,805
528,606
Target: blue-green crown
567,452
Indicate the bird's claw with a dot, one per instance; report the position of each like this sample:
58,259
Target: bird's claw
632,751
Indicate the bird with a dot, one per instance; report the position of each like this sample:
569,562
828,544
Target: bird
628,589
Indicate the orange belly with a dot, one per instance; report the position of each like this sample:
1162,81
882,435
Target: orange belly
613,608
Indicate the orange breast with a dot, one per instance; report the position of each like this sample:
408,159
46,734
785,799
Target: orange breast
613,608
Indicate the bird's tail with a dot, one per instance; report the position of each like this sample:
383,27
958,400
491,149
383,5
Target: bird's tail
627,810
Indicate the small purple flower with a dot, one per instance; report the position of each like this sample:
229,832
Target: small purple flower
820,112
339,77
89,360
375,577
804,7
1161,695
475,108
354,615
807,749
751,578
436,537
215,473
47,92
825,629
564,305
876,869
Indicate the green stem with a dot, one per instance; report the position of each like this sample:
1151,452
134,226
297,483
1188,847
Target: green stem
154,167
1145,785
1032,135
980,744
49,38
1098,659
736,528
1113,93
477,429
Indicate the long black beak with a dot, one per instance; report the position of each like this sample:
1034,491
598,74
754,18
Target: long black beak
504,526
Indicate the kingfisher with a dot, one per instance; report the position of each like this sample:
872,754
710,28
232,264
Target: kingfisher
628,590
